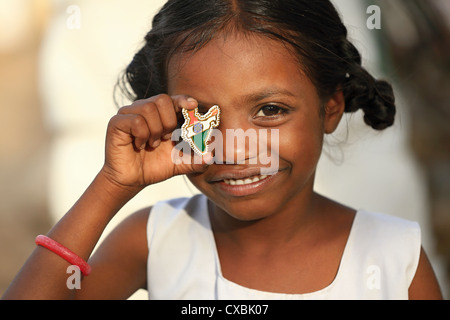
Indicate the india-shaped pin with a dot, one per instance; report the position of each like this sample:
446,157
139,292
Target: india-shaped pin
197,128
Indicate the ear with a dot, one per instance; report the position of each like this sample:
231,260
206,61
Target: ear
334,109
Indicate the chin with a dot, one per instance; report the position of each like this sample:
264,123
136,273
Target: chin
246,209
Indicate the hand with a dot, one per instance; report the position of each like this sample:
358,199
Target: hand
139,145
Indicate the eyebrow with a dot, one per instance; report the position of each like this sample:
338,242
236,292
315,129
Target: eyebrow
252,97
266,93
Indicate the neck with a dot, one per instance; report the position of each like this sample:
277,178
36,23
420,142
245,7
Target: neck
294,219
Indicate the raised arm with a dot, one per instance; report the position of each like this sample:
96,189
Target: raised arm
138,154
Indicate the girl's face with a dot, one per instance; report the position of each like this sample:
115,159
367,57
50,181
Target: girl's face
258,84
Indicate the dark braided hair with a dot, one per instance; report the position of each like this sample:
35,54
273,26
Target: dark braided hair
313,29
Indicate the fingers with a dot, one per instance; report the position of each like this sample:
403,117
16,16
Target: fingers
184,102
127,129
156,118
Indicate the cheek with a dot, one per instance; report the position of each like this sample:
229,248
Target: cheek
301,146
199,181
196,179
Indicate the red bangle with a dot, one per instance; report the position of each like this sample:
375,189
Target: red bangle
64,253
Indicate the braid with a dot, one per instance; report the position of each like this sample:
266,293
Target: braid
362,91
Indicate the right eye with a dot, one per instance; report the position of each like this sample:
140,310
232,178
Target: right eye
271,111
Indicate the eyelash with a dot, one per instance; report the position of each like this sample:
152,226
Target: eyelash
259,116
280,112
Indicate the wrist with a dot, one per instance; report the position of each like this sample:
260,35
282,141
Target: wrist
81,227
112,192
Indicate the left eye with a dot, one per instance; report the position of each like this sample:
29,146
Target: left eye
270,111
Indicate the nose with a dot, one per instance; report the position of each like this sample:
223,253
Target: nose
235,141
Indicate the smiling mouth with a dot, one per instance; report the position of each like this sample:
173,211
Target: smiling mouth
246,181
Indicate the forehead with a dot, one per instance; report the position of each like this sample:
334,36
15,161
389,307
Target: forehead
237,66
231,56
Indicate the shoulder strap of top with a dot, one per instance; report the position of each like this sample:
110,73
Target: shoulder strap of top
382,255
181,261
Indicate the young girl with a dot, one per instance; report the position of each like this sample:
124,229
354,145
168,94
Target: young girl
285,66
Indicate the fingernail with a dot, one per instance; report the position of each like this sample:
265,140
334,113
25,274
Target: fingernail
208,159
167,136
156,143
191,100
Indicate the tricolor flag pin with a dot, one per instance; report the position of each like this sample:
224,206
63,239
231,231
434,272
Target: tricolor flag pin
197,128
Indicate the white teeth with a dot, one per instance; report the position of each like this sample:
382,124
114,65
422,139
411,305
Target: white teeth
233,182
248,181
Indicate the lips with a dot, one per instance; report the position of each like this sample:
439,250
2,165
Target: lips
238,182
234,172
244,182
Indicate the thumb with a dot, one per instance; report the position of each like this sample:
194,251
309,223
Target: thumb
193,163
200,163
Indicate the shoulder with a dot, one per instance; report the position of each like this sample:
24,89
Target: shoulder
179,210
425,285
389,243
385,220
135,224
184,203
119,263
392,239
129,236
399,240
387,229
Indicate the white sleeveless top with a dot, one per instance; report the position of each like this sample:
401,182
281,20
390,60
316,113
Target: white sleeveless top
379,261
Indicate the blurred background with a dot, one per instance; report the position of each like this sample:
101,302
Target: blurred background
60,60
